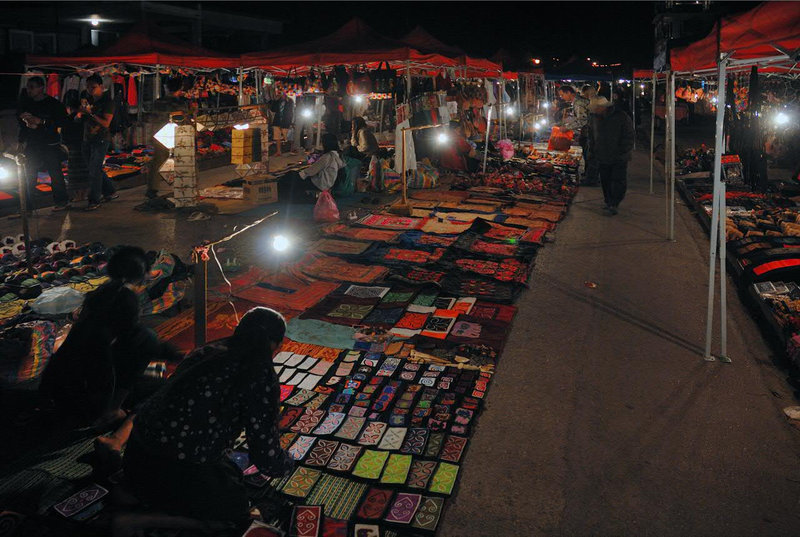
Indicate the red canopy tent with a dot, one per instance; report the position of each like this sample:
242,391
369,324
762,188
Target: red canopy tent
353,44
769,33
144,44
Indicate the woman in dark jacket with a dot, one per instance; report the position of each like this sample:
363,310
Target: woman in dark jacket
106,351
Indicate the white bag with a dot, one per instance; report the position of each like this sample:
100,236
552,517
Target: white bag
57,301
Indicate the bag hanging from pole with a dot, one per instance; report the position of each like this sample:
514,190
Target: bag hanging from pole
383,79
326,210
560,140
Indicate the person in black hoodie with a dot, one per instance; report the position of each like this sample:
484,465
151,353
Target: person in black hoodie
40,116
611,140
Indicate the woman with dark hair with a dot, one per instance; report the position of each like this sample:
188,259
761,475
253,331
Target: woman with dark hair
176,458
107,349
363,143
304,186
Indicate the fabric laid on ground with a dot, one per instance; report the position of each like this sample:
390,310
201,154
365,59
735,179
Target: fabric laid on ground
284,292
320,333
324,267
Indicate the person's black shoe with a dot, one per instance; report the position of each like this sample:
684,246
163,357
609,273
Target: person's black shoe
613,210
111,197
92,207
59,208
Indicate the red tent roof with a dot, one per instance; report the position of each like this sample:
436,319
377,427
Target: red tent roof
353,43
750,35
146,45
420,39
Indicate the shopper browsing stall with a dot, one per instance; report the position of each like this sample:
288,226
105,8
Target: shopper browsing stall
304,186
40,116
282,110
363,143
175,458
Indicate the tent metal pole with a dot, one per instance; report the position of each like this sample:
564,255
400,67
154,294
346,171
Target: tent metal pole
241,86
488,129
667,127
157,90
652,130
718,239
633,107
519,107
318,106
672,160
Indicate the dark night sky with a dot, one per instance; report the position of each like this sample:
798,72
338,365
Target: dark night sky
608,31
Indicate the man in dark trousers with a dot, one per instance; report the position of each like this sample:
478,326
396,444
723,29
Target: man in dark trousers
96,112
40,116
611,137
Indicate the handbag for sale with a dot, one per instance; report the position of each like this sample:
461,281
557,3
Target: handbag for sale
383,79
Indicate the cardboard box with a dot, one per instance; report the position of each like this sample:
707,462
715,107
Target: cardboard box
260,188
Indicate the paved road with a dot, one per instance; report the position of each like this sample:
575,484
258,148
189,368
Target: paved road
603,418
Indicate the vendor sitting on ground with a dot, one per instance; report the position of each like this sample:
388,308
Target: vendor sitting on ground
459,154
176,458
304,186
107,350
363,143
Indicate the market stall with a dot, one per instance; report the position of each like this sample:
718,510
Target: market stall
766,38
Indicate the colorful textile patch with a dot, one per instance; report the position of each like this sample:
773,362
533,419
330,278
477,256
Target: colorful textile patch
301,482
435,443
307,520
386,317
289,416
351,427
345,458
339,496
403,508
412,321
453,448
444,479
343,230
374,504
367,530
429,513
415,441
331,423
507,270
308,421
334,528
287,439
341,247
396,470
423,275
382,221
439,324
372,433
300,447
360,291
371,463
331,268
420,474
322,453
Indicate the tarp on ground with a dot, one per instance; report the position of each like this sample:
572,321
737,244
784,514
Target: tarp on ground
144,44
355,43
750,35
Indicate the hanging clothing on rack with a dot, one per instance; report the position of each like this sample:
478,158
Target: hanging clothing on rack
133,94
53,86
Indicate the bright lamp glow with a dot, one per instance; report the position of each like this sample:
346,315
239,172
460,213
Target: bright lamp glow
242,126
547,105
280,243
306,112
94,20
5,174
537,126
641,86
358,98
621,80
510,111
714,100
442,138
166,135
544,121
781,119
537,61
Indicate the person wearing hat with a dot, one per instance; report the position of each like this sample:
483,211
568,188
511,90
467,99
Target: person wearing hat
611,140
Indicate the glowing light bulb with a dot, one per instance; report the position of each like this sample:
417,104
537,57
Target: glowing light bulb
442,138
280,243
306,112
5,174
242,126
94,20
358,98
781,119
547,105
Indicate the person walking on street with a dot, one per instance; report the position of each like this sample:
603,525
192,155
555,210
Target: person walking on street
96,112
611,139
40,116
282,110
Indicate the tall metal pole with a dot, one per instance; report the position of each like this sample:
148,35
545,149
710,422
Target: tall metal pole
488,128
672,158
157,90
241,86
318,106
633,107
667,133
718,239
652,130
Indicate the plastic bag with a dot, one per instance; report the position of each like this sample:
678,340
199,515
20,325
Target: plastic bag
560,140
506,149
57,301
326,210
